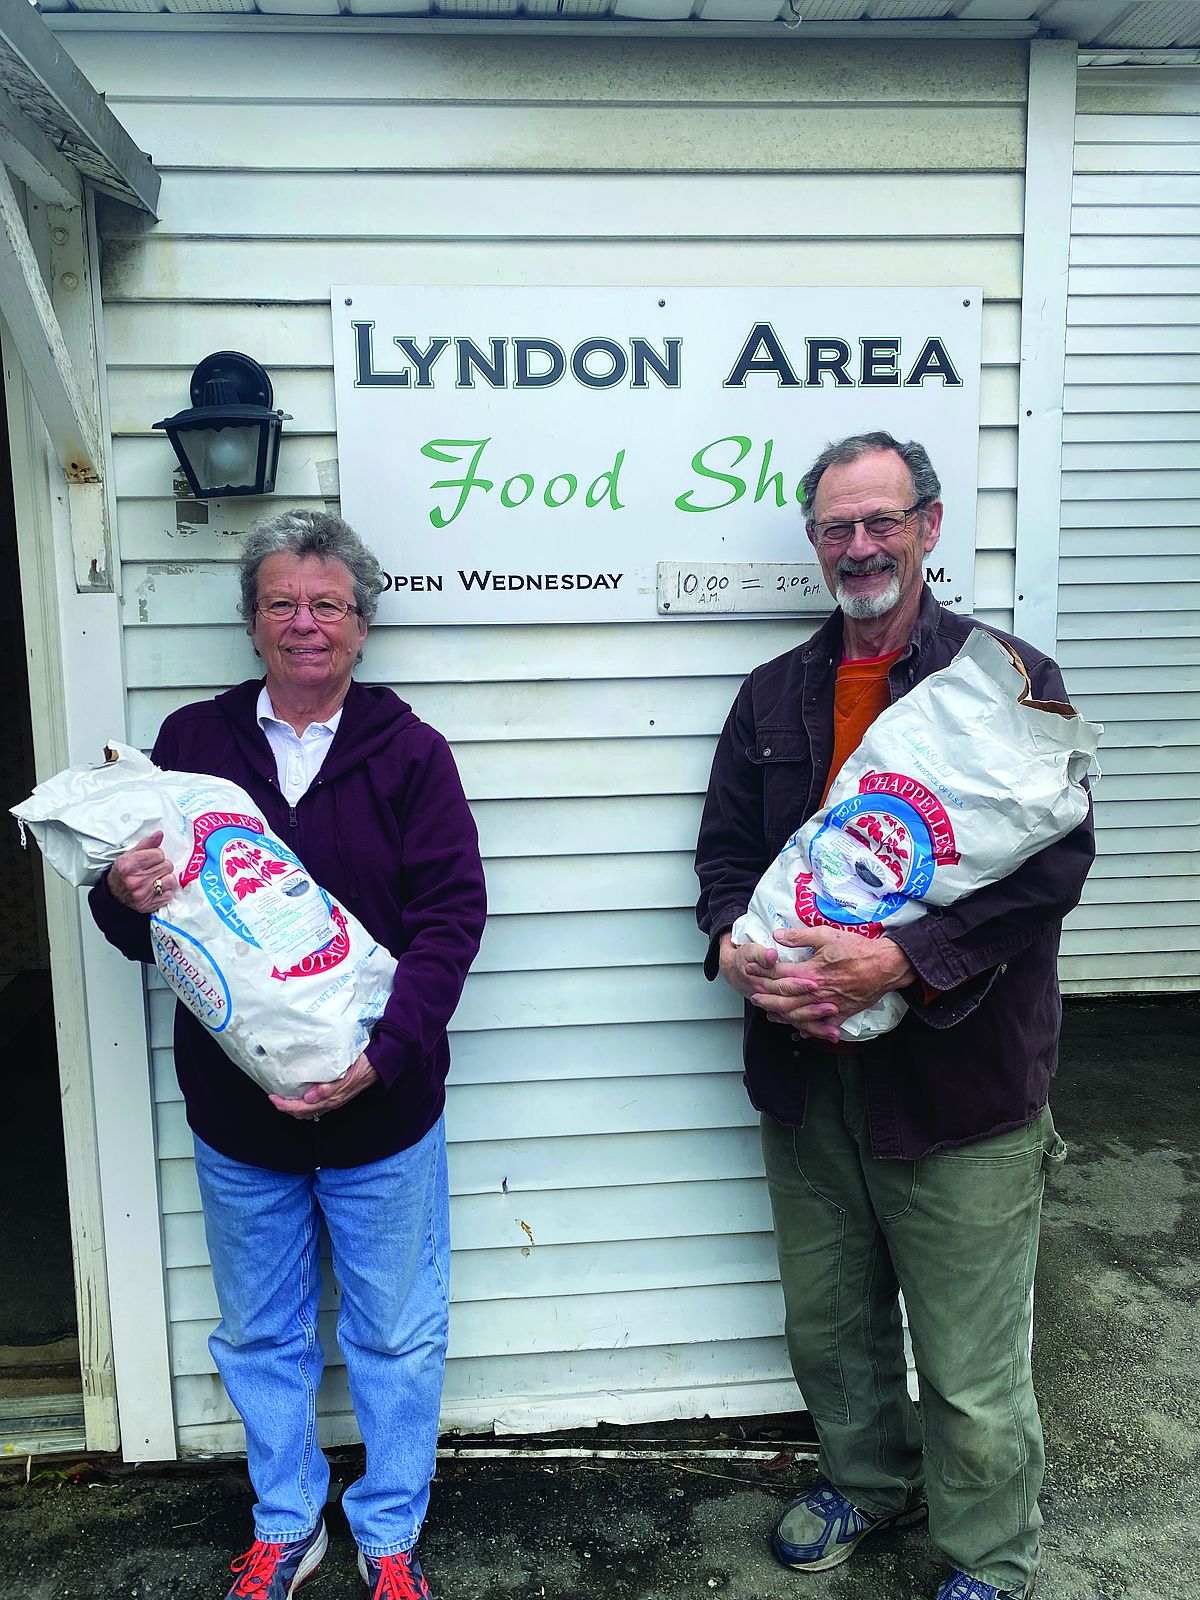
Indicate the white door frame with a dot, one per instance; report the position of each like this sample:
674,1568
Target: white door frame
77,693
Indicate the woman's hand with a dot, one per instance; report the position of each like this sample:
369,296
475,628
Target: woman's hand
324,1097
143,879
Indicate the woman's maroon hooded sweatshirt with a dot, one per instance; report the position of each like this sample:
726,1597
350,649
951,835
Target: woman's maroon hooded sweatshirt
385,828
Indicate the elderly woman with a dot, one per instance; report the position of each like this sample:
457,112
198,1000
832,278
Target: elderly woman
369,798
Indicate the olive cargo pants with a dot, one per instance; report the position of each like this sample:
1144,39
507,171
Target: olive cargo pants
957,1232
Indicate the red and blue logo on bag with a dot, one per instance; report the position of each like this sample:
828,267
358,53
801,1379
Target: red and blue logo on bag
236,860
873,853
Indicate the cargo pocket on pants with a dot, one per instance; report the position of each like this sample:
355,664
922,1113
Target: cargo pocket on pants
1053,1155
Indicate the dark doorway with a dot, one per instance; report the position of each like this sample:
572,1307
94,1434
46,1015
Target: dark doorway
39,1351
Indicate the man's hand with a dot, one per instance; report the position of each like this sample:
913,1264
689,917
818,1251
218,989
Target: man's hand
755,969
844,975
325,1097
142,878
744,966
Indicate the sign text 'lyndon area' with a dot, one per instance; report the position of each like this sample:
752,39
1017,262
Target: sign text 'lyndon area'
520,455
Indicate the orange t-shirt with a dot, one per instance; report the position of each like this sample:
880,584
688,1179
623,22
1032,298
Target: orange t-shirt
861,693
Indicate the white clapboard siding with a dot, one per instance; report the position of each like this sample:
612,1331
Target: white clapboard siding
1129,572
539,1055
742,1376
566,1219
536,1162
385,71
630,205
596,1096
280,271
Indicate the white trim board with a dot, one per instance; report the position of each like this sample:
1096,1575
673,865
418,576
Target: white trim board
77,693
1049,164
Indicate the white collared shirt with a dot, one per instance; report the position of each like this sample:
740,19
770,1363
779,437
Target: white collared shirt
298,757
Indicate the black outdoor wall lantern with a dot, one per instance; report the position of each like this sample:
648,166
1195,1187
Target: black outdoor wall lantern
228,442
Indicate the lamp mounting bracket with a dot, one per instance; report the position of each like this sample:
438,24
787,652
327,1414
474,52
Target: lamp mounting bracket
248,380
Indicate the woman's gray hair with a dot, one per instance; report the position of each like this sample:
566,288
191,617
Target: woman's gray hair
310,533
926,483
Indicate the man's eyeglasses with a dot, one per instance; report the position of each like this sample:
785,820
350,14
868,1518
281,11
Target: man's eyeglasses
880,525
318,610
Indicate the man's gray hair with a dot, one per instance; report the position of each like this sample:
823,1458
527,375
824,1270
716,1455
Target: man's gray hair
310,533
926,483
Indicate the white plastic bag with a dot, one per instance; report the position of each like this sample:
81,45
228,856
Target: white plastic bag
952,788
286,980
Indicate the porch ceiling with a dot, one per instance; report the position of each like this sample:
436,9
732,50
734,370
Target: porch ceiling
48,109
1111,29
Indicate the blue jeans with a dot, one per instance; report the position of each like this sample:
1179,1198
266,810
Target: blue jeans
388,1222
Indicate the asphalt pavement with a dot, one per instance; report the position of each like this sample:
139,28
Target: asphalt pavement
1117,1359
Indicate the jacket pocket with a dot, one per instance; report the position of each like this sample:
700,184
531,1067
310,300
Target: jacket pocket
784,756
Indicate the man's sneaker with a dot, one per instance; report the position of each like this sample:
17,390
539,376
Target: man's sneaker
397,1577
961,1586
276,1571
822,1529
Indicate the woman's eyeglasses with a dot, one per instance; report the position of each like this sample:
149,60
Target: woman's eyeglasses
318,610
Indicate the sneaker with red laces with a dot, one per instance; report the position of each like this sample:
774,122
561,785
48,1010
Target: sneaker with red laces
397,1577
276,1571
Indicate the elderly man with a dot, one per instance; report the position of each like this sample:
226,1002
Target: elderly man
913,1163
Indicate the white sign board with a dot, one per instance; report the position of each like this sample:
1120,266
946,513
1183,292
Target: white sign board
535,454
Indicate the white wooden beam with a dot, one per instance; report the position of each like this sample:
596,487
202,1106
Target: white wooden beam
38,340
74,297
78,700
40,604
31,155
1049,162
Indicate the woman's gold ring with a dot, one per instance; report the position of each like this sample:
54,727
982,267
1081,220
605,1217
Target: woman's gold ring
158,889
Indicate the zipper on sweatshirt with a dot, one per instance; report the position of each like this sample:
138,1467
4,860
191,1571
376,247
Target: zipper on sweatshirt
293,819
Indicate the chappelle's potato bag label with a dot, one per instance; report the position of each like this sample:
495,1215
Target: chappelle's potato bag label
287,981
952,788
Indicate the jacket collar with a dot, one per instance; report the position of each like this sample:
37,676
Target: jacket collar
370,717
239,706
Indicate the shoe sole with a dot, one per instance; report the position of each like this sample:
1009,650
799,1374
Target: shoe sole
902,1519
312,1560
